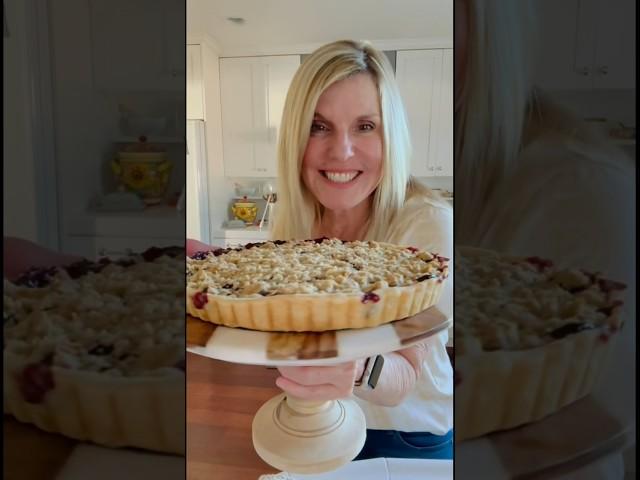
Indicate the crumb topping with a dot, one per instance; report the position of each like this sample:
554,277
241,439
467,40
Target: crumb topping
321,266
122,318
513,303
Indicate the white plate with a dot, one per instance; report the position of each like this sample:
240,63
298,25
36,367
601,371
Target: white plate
311,348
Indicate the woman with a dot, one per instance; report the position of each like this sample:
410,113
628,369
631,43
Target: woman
344,172
531,178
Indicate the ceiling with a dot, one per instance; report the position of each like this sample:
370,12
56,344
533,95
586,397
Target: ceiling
270,24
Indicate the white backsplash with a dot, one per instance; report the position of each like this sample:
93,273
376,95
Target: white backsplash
442,183
616,105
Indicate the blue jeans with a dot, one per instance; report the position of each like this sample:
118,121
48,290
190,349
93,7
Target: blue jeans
395,444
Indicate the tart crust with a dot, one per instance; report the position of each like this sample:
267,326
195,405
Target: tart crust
112,411
502,389
309,313
505,389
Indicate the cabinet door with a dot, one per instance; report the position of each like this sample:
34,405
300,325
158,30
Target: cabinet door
615,49
565,45
253,90
195,98
418,73
238,130
129,43
174,28
279,72
198,219
441,133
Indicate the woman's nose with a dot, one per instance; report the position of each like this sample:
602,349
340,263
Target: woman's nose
342,146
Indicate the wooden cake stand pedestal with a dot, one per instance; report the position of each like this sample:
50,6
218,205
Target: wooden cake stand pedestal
304,437
307,437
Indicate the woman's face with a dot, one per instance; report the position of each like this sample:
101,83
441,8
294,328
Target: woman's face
342,163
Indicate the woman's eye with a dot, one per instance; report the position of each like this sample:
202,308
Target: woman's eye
317,127
367,126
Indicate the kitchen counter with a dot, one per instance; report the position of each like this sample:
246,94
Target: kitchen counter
222,399
233,237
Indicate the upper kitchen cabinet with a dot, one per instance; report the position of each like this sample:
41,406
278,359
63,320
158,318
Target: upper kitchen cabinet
253,92
134,45
195,84
425,78
586,44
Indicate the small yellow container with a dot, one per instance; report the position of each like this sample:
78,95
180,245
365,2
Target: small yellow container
245,211
143,170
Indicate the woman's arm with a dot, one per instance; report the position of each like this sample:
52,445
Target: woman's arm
193,246
400,373
20,255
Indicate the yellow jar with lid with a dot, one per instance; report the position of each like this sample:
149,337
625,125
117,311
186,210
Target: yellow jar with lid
245,211
143,169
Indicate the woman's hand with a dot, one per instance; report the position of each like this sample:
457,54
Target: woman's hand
193,246
320,383
20,255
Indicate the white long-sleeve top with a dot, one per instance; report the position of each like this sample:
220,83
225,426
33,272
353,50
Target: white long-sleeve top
427,225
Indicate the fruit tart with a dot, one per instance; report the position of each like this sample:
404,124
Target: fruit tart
530,338
312,285
95,350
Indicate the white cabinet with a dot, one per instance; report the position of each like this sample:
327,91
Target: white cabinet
93,248
425,78
615,49
135,45
195,91
586,44
101,234
239,236
253,91
442,158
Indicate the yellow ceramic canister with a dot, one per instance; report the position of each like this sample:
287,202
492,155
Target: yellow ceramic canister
144,170
245,211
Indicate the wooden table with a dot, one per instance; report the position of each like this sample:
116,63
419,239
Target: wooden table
30,453
222,399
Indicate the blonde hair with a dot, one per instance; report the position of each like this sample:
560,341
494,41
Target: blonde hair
499,109
298,210
493,101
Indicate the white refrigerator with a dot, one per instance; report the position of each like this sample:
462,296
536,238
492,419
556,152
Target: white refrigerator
196,196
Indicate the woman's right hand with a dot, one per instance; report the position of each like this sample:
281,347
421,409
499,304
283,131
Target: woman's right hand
193,246
20,255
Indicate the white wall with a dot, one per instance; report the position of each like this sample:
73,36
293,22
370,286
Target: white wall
19,214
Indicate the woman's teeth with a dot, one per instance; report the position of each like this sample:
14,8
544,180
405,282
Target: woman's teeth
342,177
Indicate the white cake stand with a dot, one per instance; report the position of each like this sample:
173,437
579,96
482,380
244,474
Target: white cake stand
301,436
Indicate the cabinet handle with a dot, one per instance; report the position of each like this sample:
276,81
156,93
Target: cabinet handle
603,70
584,71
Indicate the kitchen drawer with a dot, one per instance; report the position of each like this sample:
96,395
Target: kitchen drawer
238,242
114,247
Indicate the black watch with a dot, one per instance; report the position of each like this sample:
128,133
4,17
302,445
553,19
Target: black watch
371,373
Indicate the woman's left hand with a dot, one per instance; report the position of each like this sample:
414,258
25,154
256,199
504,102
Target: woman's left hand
320,383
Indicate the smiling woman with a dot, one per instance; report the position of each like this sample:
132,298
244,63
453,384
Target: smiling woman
344,155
